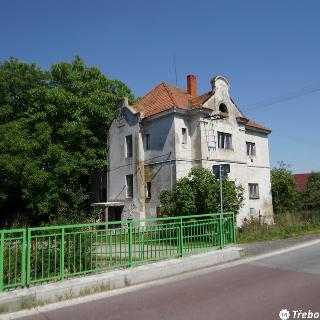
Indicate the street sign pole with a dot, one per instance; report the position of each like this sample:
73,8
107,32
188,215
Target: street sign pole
221,194
220,171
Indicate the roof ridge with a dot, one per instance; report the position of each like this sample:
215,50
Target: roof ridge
170,94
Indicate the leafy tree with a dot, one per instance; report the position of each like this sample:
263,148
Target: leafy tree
206,190
199,193
53,133
285,196
311,193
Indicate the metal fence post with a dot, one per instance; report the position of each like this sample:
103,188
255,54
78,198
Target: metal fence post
62,255
234,225
1,260
130,243
181,237
23,262
28,256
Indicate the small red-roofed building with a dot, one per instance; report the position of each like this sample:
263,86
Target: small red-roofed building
301,180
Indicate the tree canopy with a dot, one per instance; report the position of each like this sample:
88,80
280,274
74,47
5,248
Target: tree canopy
199,193
53,135
311,193
285,196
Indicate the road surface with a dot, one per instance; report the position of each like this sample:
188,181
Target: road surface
257,290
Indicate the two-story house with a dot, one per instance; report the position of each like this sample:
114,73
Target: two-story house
156,141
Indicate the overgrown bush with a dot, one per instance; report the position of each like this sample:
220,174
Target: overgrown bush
286,225
199,193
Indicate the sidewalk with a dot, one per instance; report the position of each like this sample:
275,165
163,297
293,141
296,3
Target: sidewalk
255,248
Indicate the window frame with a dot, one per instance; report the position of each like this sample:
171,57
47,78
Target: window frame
129,146
256,194
251,149
184,135
129,194
148,141
148,190
226,143
223,108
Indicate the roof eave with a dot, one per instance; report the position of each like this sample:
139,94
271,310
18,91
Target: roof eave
260,130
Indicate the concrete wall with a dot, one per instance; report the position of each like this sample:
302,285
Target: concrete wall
154,165
159,167
119,166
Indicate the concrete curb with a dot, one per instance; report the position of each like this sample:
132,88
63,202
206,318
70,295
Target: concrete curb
16,300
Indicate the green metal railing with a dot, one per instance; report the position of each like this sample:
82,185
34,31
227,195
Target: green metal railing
12,258
38,255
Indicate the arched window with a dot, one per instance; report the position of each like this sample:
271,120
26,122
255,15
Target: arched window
223,108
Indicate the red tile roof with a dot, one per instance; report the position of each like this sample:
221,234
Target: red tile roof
164,97
252,124
199,100
301,180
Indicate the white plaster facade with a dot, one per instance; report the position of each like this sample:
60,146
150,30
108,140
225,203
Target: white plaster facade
168,158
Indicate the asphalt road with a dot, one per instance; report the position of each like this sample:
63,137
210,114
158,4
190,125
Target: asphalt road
256,290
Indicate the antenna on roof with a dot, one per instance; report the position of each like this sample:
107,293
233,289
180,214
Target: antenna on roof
175,68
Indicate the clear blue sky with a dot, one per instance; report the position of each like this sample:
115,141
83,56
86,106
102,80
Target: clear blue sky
267,49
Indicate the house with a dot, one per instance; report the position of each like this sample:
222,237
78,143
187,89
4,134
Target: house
156,141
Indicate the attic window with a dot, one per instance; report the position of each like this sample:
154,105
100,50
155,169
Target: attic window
223,108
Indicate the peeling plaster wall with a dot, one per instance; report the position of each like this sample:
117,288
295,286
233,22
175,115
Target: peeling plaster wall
160,167
119,166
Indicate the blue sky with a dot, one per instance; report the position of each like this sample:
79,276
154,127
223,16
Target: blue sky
269,50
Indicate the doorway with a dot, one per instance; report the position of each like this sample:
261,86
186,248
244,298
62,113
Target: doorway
114,214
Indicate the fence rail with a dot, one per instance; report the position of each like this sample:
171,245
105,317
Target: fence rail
38,255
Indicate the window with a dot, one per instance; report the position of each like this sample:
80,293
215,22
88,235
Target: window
147,141
129,146
184,136
148,190
129,185
251,148
253,191
223,108
103,195
224,140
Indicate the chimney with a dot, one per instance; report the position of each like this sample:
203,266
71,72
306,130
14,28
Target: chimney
192,85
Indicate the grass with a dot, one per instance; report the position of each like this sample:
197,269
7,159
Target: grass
28,303
286,225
